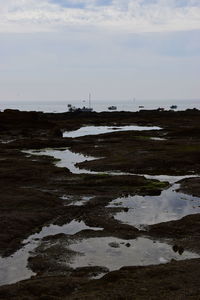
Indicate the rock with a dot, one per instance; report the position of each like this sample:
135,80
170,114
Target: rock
144,289
57,132
180,250
114,245
175,248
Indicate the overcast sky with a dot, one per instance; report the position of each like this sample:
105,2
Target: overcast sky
115,49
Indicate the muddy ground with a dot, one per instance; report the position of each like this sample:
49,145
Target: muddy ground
32,187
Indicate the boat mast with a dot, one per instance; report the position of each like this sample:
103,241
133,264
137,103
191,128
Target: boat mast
89,100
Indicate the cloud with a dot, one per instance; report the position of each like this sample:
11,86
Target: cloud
131,16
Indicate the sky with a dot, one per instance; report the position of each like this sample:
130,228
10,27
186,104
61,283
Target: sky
57,50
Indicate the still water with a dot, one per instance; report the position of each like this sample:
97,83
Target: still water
68,159
14,268
136,252
94,130
148,210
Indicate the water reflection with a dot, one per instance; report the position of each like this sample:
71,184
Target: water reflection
78,201
168,178
66,159
7,141
141,252
147,210
70,228
157,139
94,130
14,268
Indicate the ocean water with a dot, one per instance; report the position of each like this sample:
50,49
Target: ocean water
98,106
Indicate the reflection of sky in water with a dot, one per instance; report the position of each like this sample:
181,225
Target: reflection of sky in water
142,251
168,178
157,139
70,228
94,130
76,201
14,268
146,210
68,159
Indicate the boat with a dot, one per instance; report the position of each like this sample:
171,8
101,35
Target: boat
78,109
112,107
173,107
141,106
83,109
72,108
86,109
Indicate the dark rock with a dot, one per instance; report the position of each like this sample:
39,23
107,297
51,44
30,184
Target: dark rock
175,248
180,250
114,245
56,132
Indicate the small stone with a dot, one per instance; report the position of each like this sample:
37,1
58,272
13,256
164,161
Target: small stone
114,245
180,250
175,248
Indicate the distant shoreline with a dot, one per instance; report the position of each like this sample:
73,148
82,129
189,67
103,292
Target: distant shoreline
128,106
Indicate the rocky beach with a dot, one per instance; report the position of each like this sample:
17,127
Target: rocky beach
112,215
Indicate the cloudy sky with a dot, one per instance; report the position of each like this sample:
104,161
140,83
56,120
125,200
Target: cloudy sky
115,49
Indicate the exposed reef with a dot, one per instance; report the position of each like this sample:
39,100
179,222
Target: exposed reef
36,194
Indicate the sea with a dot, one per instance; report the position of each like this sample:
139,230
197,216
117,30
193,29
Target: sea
99,106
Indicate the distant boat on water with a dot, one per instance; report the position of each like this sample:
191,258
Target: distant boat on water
173,106
83,109
112,107
78,109
141,106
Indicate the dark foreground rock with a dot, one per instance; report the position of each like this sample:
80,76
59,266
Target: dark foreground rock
32,188
191,186
176,280
31,191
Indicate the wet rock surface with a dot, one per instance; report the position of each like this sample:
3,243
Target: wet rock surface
32,190
177,279
191,186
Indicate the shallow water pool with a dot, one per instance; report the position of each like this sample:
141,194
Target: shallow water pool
95,130
135,252
148,210
14,268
